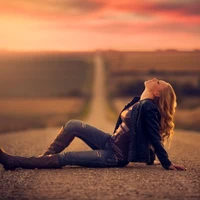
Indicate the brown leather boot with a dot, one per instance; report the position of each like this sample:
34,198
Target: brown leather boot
10,162
61,141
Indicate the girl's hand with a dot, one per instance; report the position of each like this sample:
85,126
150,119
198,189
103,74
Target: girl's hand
177,167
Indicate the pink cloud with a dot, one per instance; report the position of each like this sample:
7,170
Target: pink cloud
87,7
128,20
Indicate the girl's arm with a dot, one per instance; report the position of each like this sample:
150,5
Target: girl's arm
152,122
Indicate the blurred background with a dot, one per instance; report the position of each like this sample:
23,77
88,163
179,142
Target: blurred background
47,50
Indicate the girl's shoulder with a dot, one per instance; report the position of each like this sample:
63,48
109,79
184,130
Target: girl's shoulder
148,104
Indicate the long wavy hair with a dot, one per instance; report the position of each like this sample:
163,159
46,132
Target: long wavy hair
167,104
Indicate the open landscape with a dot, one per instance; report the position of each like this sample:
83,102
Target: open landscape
135,181
43,89
46,89
127,71
26,113
85,60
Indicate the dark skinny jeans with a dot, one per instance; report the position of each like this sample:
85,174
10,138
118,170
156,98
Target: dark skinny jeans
101,155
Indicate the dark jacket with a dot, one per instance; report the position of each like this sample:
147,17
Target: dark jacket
144,132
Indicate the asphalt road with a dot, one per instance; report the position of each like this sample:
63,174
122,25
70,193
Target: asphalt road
136,181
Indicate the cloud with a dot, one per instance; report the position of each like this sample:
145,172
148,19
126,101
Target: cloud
153,7
86,8
52,7
187,8
102,18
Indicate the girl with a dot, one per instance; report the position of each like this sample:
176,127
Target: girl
142,128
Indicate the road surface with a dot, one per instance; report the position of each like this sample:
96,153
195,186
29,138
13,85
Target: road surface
136,181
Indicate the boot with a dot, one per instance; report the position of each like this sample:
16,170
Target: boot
61,141
10,162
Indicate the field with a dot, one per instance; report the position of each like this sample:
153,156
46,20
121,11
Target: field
127,71
20,113
166,61
44,75
41,90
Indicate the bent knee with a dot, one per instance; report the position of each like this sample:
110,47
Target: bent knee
72,125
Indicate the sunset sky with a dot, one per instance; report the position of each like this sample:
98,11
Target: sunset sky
99,24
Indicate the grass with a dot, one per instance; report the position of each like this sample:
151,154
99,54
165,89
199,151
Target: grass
43,89
39,106
43,75
19,114
145,61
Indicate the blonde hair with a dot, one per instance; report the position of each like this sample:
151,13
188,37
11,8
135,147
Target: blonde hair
167,104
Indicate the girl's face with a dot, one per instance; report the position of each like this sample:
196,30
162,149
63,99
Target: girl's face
155,86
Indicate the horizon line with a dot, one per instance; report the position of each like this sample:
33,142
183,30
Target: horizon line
95,50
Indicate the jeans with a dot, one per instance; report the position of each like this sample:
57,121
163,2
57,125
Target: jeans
101,155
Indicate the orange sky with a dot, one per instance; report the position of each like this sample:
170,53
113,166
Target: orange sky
99,24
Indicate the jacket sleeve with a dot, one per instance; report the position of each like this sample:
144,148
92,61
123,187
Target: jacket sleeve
152,125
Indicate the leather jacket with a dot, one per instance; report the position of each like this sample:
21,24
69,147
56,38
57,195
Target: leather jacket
144,133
